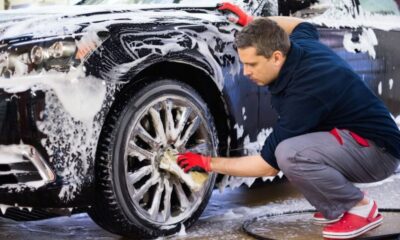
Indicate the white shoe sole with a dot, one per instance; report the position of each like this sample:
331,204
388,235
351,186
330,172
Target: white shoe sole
323,221
355,233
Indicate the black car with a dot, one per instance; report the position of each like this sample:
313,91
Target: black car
93,95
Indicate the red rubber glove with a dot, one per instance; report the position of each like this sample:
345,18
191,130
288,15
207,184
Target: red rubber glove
194,162
242,18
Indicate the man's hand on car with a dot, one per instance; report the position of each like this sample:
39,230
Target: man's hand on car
190,161
241,18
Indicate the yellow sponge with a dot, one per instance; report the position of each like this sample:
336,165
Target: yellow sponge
194,180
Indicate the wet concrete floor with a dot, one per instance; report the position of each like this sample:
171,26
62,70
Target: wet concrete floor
222,218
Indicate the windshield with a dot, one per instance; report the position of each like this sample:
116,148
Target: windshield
14,4
95,2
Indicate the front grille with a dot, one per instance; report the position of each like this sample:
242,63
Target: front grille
22,164
18,214
22,172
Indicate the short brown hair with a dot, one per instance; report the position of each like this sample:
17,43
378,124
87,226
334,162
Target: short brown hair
265,35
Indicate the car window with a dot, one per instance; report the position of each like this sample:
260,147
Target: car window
383,7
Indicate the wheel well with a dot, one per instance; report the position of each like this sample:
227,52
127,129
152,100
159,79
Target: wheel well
202,83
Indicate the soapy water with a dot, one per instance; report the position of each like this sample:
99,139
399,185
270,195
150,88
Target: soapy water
299,226
222,218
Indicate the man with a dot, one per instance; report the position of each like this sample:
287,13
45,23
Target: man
331,131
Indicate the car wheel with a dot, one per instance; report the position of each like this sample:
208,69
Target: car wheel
133,196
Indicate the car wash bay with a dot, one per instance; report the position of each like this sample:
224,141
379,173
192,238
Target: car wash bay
223,217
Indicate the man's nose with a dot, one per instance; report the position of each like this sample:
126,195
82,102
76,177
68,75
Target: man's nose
246,71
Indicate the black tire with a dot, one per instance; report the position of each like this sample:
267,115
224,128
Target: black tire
123,204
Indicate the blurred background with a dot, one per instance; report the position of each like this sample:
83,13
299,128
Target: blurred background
12,4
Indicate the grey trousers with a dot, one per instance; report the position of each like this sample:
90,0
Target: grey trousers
324,171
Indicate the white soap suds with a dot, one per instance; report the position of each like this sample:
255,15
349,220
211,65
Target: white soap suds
342,13
239,130
366,42
397,120
252,148
182,232
70,121
271,208
70,143
4,208
72,89
255,147
390,84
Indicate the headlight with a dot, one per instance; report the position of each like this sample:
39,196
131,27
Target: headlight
36,55
62,49
23,58
58,50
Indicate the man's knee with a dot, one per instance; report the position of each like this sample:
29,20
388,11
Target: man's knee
285,155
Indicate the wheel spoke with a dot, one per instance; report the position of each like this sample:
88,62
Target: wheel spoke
140,193
134,177
183,119
183,200
169,121
167,200
158,125
155,204
145,136
139,152
189,132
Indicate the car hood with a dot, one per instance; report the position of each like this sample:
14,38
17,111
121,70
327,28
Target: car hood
61,21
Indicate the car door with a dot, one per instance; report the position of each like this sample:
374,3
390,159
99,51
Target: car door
368,44
387,83
243,100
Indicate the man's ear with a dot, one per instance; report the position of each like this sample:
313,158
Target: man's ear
278,58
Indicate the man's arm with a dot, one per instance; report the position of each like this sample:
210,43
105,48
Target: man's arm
287,23
248,166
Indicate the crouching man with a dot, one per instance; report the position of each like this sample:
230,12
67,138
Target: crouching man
331,131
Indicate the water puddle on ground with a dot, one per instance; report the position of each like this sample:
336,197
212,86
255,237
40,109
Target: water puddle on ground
299,226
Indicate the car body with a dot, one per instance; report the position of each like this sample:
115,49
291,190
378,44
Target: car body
92,96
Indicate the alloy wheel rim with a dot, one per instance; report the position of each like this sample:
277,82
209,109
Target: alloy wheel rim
168,122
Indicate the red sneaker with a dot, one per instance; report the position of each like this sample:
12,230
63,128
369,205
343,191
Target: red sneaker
352,225
318,218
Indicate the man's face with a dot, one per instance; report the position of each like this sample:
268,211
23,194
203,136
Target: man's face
261,70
